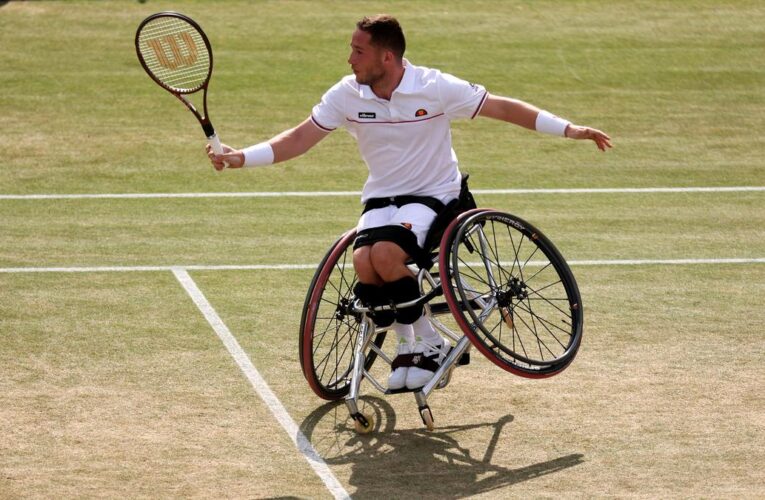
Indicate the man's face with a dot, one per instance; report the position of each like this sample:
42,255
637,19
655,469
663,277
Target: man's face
366,60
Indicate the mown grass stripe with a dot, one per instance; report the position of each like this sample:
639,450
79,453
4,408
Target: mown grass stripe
319,194
293,267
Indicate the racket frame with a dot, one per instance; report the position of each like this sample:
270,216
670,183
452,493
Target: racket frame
204,120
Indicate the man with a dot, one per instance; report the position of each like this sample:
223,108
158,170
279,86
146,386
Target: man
400,115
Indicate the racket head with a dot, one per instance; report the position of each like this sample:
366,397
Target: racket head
175,52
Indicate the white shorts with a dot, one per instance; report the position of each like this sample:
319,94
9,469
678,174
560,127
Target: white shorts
414,216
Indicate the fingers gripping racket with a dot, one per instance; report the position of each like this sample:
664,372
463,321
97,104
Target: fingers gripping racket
176,54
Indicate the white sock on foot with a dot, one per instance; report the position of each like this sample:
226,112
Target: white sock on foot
405,334
424,331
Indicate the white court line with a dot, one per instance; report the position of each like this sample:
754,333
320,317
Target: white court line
121,269
293,194
292,267
259,384
664,262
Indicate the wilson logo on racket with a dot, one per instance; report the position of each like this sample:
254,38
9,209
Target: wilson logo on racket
176,58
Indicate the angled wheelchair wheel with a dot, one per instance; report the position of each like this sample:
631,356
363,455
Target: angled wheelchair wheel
511,292
329,328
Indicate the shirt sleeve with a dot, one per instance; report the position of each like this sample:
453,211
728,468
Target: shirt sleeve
329,113
460,99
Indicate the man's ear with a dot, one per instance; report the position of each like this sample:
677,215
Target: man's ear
389,57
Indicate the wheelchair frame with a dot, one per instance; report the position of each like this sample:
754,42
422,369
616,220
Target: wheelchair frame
474,293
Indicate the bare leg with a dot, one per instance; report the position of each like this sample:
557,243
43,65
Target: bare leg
389,261
362,262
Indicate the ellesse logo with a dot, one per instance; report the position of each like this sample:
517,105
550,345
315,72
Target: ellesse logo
421,112
407,225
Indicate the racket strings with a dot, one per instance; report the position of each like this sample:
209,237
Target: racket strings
175,53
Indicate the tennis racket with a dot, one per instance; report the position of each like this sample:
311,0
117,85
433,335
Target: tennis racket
176,54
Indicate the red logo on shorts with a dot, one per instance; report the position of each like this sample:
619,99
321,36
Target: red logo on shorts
420,112
407,225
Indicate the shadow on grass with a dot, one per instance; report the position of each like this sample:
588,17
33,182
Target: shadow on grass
415,462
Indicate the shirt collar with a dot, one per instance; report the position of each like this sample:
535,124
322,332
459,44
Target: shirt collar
405,86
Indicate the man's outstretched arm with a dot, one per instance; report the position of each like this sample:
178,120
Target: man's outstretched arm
529,116
282,147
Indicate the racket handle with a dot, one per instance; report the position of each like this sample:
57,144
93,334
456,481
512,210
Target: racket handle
216,147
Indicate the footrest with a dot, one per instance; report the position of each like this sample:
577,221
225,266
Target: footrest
402,390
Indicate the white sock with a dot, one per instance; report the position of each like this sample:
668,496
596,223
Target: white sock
424,331
405,333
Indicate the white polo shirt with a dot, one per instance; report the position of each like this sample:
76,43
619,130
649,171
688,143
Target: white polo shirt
406,142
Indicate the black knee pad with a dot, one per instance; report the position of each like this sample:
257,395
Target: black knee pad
372,296
365,292
404,290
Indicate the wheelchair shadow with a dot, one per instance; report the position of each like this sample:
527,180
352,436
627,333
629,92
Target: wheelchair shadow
415,462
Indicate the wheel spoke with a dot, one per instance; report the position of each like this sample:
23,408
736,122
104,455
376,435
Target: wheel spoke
533,330
544,323
474,273
337,339
540,271
549,301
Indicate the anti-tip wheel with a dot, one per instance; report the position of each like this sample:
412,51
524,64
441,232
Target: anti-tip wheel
361,428
427,417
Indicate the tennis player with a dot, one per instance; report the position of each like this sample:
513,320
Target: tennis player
400,114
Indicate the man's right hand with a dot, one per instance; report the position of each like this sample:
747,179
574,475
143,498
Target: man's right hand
231,158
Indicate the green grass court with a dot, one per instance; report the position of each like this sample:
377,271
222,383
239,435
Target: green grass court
113,383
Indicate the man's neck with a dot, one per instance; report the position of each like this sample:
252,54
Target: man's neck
385,87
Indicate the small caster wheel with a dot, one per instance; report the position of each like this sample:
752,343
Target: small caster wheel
364,424
427,417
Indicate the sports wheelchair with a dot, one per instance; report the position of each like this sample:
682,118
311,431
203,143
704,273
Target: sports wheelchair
501,286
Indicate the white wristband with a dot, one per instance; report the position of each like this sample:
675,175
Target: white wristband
259,154
547,123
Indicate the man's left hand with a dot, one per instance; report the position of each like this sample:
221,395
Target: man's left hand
602,140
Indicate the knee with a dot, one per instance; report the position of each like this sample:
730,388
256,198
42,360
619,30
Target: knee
362,263
388,260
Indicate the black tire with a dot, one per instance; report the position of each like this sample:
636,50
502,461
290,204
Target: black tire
526,311
328,329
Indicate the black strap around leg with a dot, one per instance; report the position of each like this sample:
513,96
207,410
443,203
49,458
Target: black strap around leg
403,290
372,296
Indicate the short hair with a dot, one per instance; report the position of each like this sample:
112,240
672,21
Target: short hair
385,32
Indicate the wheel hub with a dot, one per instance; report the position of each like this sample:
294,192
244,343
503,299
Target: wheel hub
343,309
515,289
